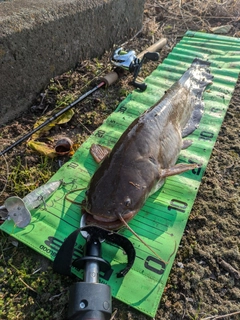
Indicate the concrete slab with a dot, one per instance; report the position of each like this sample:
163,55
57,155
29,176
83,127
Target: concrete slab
40,39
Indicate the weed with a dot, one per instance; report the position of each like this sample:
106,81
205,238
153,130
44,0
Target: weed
24,177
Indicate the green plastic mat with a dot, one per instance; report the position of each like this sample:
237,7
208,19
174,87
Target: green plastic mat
162,221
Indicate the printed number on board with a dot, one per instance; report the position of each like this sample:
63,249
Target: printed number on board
206,136
155,265
122,109
100,133
177,205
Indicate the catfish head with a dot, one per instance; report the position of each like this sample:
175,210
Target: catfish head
115,192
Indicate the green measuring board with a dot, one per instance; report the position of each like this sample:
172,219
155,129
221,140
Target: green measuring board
161,222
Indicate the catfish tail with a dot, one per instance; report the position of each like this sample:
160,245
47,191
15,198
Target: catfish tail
197,77
195,80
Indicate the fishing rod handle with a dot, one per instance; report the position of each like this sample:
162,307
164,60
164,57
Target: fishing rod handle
113,76
153,48
109,78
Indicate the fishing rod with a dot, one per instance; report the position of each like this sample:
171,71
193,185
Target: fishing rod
122,59
55,116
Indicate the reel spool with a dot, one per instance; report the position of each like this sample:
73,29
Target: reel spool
123,59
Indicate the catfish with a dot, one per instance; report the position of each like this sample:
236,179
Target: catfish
146,153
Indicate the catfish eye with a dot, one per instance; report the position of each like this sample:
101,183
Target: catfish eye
127,201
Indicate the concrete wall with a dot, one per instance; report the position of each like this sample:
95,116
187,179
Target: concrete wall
40,39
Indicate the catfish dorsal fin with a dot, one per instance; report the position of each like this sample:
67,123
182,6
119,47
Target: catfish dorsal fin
99,152
177,169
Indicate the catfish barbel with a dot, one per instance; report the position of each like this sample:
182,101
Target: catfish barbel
146,153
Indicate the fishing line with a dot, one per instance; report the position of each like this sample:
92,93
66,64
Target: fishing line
71,191
140,239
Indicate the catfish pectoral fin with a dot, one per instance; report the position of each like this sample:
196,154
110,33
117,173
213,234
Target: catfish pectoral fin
177,169
186,143
99,152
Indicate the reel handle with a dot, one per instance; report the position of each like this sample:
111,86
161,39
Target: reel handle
136,66
153,56
141,86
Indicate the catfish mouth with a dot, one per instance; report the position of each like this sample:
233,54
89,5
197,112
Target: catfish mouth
109,223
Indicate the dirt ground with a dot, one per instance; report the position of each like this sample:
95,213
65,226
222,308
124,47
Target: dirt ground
204,282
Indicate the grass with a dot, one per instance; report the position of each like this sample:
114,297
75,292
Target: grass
24,178
25,286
